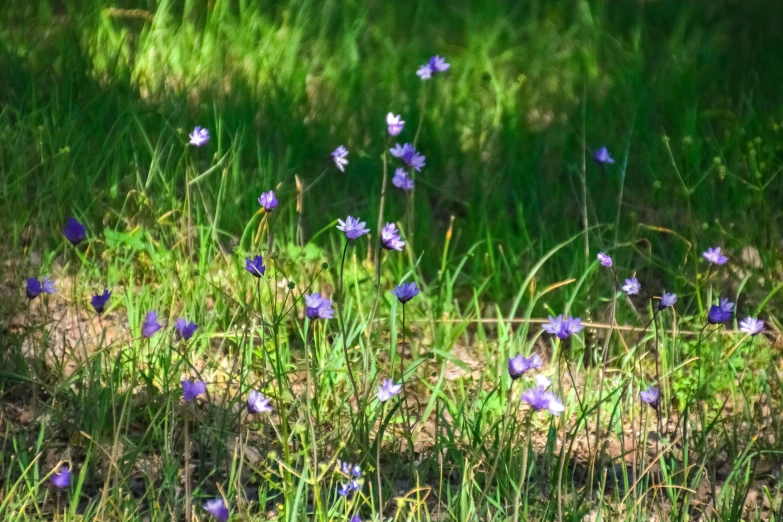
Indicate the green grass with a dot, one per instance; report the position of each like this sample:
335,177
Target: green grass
97,104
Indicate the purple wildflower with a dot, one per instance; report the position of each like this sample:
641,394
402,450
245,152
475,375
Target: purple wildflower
720,313
340,156
390,238
518,365
632,286
424,72
604,259
150,325
352,227
318,307
268,201
401,180
33,288
438,64
61,478
185,329
255,266
74,231
751,326
540,399
387,390
395,124
667,300
714,256
563,327
408,155
405,291
257,402
47,286
650,396
191,389
199,137
344,489
99,301
356,518
218,509
602,157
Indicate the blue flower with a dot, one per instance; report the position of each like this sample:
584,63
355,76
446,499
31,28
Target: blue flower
35,287
401,180
751,326
340,157
99,301
268,201
632,286
721,312
255,266
318,307
150,325
218,509
604,259
714,256
650,396
602,157
517,366
185,329
199,137
408,155
390,238
387,390
541,399
61,478
191,389
563,327
405,291
258,403
352,227
395,124
74,231
667,300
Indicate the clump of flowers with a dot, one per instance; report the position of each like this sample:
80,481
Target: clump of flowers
390,238
721,312
74,231
150,325
258,403
408,155
99,301
185,329
517,366
255,266
714,256
192,389
387,389
401,180
318,307
268,201
340,157
199,137
563,327
352,227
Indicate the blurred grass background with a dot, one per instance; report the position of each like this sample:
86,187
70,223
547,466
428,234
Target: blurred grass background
98,97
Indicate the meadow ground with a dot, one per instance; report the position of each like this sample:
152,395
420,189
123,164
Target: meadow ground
179,343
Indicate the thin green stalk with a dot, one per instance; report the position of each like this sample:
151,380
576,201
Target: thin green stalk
523,473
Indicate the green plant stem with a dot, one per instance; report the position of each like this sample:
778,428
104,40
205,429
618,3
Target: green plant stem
340,307
523,473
